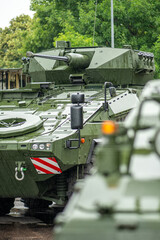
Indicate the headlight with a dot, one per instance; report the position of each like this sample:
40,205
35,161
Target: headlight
41,146
48,145
157,142
35,146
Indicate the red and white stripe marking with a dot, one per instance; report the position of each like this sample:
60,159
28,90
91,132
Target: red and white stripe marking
45,165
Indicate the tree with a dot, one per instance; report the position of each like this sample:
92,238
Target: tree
11,41
136,23
51,21
76,39
156,50
48,22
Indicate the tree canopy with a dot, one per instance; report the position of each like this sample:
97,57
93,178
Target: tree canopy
11,41
136,23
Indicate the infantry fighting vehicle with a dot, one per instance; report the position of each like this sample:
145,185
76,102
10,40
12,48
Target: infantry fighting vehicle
121,199
48,129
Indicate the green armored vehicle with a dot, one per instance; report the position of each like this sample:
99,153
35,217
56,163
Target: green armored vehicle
121,198
48,129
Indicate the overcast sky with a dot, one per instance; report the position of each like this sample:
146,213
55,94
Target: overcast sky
12,8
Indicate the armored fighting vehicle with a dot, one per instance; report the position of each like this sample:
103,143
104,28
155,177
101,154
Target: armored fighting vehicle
120,200
48,129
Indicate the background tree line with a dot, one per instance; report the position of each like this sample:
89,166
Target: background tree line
136,22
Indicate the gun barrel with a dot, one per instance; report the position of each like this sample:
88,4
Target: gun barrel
74,60
59,58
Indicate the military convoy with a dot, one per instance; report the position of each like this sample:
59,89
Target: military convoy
120,200
49,129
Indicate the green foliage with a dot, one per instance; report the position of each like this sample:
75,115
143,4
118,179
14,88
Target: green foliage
48,22
156,50
136,22
11,42
76,39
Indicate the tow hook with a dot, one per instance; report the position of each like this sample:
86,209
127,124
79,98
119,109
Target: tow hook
19,171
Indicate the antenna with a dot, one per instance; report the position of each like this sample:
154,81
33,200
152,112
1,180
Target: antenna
112,25
95,21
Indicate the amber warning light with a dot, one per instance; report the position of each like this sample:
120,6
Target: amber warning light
82,140
109,127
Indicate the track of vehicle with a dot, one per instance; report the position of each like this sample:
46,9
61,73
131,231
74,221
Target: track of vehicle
18,225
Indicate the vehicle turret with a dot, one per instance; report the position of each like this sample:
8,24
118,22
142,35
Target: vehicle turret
121,66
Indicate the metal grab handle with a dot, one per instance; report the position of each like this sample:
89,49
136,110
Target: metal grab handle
19,172
106,85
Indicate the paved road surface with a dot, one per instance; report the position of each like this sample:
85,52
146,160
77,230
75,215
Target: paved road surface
17,226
